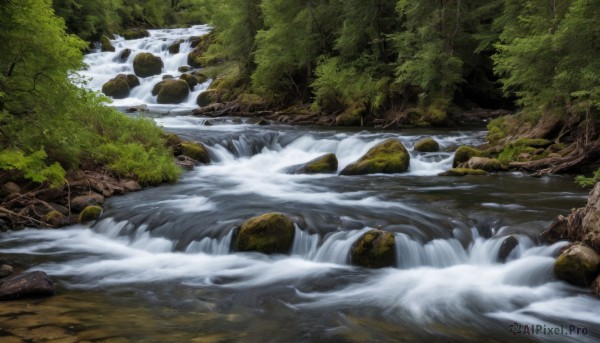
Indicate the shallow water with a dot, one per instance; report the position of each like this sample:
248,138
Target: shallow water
157,266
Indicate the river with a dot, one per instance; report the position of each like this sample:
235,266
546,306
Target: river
157,266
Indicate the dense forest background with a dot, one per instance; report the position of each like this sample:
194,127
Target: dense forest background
389,62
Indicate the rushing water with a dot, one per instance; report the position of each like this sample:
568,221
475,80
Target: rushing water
157,266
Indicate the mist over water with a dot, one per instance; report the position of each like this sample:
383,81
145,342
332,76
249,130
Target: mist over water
168,248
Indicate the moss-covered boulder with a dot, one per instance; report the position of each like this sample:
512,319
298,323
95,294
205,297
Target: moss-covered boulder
200,77
352,116
174,47
578,265
90,213
427,145
464,154
463,172
117,88
172,92
145,64
184,69
388,157
484,163
190,79
206,98
270,233
374,249
56,219
324,164
135,33
171,139
106,45
132,81
195,150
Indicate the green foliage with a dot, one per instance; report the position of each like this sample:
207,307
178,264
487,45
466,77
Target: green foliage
32,167
588,182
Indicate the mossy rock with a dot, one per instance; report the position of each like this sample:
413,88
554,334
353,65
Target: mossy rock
578,265
196,151
206,98
427,145
117,88
387,157
464,154
352,116
132,81
324,164
125,55
106,45
200,45
200,77
56,219
484,163
174,48
171,139
145,64
533,142
190,79
508,246
173,92
184,69
90,213
167,77
135,33
157,87
374,249
270,233
463,172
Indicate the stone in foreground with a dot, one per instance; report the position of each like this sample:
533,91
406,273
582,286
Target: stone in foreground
374,249
388,157
270,233
578,265
27,285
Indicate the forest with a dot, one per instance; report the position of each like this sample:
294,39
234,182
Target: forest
387,62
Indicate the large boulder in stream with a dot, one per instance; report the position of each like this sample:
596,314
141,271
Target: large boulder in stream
270,233
135,33
374,249
427,145
484,163
171,91
327,163
145,64
27,285
578,265
117,88
388,157
190,79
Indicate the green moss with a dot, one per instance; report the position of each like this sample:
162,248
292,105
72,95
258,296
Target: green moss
388,157
190,79
427,145
145,64
352,116
90,213
578,265
105,44
512,151
135,34
374,249
533,142
55,219
196,151
171,139
463,172
324,164
117,88
132,81
270,233
464,153
207,97
497,130
173,92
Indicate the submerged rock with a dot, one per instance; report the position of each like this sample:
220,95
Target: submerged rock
508,245
463,172
427,145
125,54
388,157
27,285
374,249
578,265
145,64
270,233
324,164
